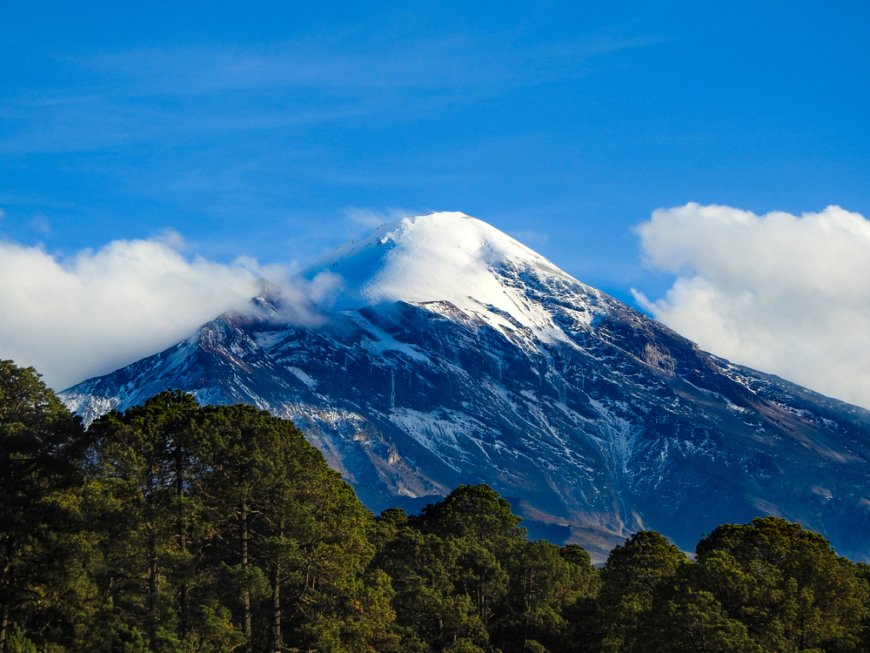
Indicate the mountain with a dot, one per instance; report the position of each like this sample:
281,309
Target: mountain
452,354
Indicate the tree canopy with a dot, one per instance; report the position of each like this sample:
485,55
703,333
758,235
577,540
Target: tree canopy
177,527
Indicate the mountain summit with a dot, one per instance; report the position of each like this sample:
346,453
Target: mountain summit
450,259
454,354
437,257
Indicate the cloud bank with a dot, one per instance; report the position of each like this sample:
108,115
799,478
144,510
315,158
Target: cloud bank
782,293
99,310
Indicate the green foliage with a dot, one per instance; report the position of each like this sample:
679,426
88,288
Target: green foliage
144,464
18,642
476,513
630,578
293,532
785,583
545,583
41,449
217,528
686,620
429,603
466,578
178,528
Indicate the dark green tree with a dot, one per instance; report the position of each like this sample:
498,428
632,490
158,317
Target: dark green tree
785,583
633,574
687,620
145,466
476,513
546,582
293,537
41,448
431,608
484,532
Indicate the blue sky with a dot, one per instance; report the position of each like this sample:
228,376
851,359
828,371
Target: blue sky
256,129
276,131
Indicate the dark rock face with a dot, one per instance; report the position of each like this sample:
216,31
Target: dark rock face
614,425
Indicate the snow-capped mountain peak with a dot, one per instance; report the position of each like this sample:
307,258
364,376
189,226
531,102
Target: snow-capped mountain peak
457,355
445,257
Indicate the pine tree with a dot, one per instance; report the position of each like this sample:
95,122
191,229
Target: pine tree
41,446
294,536
633,573
546,582
144,464
785,583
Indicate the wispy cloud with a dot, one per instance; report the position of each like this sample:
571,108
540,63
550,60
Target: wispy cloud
40,224
101,309
530,237
787,294
371,218
376,64
188,92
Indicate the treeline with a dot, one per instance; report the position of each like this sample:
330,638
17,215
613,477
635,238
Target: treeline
175,527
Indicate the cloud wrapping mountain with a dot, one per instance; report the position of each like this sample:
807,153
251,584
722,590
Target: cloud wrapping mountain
454,354
101,309
779,292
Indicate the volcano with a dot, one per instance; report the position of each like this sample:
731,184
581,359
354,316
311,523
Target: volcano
450,353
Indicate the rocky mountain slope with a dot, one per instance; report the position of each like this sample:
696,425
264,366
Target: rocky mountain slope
454,354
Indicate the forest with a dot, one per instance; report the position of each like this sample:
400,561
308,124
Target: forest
175,527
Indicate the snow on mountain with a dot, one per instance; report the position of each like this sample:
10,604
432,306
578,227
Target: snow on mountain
454,354
444,257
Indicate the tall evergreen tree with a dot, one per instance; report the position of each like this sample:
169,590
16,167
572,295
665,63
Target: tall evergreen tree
144,465
546,582
785,583
477,513
41,447
630,579
294,536
684,619
433,607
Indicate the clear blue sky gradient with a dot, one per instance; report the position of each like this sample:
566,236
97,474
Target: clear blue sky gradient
252,128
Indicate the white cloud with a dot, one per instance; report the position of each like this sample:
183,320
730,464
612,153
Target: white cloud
102,309
530,237
372,218
782,293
